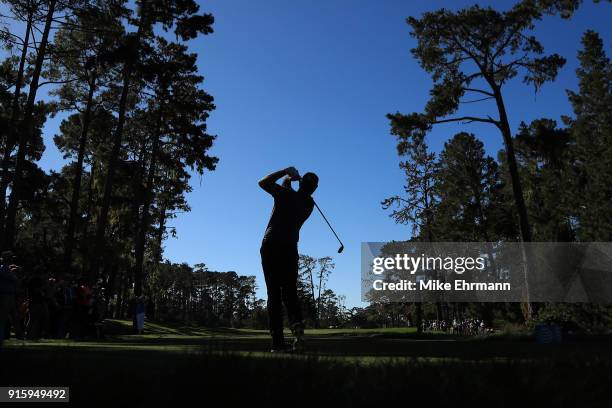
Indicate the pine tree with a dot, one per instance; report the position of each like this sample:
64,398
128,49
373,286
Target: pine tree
416,208
183,19
80,61
543,153
176,120
476,52
592,131
467,186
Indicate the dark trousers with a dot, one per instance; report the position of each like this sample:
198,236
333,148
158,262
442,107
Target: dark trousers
39,319
280,267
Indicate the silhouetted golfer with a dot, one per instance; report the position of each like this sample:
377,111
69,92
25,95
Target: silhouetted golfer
279,251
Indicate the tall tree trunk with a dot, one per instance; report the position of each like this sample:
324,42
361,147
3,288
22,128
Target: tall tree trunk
319,297
517,188
314,299
145,220
76,187
517,192
430,238
9,144
160,234
85,246
110,288
26,132
120,300
116,149
419,316
145,217
110,174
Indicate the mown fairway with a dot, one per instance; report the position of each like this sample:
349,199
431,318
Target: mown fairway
351,367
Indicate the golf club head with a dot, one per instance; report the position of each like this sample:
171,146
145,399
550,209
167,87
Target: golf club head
341,249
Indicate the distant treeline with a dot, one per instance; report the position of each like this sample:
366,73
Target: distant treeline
194,295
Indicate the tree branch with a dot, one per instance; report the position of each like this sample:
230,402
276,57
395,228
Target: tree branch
466,119
58,82
470,54
478,100
506,42
479,91
7,32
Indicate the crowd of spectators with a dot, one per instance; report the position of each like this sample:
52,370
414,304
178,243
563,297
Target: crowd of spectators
35,307
467,327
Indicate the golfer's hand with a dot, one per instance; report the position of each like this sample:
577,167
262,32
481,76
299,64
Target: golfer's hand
286,182
292,173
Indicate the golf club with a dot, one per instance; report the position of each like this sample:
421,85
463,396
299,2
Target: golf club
298,178
330,227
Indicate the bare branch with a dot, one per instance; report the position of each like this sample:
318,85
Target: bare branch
470,77
504,67
58,82
7,32
33,38
467,119
456,61
478,100
479,91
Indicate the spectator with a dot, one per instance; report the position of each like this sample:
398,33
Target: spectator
140,314
8,289
81,311
39,310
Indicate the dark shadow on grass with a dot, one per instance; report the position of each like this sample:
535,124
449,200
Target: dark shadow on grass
145,378
118,328
371,346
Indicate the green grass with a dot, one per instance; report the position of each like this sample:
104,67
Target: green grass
150,378
348,367
164,330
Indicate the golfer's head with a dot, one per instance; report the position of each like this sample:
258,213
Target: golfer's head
309,183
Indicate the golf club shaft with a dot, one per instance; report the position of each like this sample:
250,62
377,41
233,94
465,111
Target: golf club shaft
328,224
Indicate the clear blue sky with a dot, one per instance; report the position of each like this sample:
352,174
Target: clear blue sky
308,84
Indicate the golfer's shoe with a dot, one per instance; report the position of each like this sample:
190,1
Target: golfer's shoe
281,348
298,333
279,345
298,345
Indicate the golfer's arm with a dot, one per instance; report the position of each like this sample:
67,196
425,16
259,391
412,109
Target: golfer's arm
268,182
287,182
309,212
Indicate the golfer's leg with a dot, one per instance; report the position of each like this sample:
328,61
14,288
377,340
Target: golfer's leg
289,288
275,311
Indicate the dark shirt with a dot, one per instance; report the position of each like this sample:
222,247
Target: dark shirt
291,210
36,291
140,307
8,281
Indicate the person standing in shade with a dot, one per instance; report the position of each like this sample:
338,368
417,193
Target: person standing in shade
8,290
140,313
279,251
